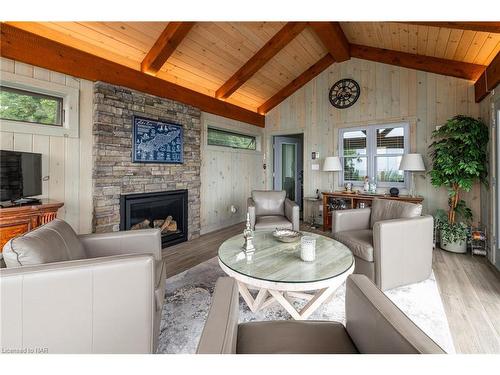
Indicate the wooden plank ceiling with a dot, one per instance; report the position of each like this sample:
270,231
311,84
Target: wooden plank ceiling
256,65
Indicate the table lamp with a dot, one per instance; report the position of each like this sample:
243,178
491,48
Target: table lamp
332,164
412,163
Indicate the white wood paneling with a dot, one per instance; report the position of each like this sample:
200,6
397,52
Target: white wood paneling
227,175
66,161
6,140
388,94
86,161
41,145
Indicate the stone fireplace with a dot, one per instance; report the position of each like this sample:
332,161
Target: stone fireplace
166,210
116,176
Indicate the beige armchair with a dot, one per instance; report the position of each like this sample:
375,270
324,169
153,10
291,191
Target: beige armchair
97,293
391,242
271,209
374,325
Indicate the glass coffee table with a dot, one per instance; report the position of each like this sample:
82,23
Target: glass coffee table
279,275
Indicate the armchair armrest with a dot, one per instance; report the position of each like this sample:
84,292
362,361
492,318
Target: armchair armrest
378,326
220,333
402,251
251,212
100,305
292,213
144,241
353,219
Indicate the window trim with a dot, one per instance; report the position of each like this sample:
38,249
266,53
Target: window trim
35,94
70,106
371,152
229,148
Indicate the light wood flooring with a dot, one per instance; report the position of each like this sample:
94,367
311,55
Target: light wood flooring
469,288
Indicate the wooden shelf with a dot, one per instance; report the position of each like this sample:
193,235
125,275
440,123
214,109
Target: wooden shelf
353,199
17,220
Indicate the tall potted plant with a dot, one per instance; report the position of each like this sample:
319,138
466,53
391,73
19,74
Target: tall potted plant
459,158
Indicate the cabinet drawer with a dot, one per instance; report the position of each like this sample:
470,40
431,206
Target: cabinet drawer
8,232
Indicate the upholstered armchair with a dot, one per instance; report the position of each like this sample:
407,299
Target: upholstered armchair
97,293
271,209
374,325
391,242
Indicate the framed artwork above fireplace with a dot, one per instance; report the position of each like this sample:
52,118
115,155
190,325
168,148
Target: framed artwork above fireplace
156,141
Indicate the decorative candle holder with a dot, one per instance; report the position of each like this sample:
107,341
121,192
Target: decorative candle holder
308,248
248,246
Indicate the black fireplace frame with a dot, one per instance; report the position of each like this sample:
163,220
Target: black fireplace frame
167,240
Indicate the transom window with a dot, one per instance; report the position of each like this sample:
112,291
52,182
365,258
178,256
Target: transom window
218,137
373,151
32,107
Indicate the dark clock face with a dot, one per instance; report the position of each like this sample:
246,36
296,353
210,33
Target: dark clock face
344,93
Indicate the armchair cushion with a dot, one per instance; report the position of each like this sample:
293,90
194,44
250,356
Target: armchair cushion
269,202
55,241
272,222
294,337
360,242
386,209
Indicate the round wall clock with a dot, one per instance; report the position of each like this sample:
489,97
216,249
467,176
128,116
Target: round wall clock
344,93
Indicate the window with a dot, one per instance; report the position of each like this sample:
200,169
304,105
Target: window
217,137
374,151
38,106
28,106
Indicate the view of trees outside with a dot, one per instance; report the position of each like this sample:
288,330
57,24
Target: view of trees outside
354,167
22,105
227,139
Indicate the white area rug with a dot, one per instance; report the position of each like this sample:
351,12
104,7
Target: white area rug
189,294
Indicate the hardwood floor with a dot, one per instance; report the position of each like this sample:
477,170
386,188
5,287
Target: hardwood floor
470,291
188,254
469,288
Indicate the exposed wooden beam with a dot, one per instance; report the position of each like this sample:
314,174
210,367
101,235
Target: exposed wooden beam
419,62
30,48
486,27
297,83
333,39
488,80
261,57
164,46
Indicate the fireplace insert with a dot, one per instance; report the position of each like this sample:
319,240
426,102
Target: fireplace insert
166,210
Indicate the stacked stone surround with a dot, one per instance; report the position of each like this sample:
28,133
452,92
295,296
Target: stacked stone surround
115,174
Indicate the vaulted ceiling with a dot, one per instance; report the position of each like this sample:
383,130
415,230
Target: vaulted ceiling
255,65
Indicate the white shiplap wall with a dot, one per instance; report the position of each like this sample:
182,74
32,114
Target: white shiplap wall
67,161
228,175
388,94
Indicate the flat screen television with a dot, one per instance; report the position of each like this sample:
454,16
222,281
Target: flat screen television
20,175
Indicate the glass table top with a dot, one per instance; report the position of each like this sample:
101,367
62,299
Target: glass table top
280,262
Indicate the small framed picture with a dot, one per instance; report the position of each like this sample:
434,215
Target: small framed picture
155,141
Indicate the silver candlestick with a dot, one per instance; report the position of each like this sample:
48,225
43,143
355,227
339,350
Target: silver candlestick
248,246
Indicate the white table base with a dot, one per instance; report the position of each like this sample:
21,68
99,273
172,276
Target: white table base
283,293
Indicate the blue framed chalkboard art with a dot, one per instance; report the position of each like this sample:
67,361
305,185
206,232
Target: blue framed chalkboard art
157,141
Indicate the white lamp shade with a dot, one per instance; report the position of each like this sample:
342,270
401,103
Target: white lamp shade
412,163
332,164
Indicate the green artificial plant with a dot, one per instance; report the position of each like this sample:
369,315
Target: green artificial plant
459,157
